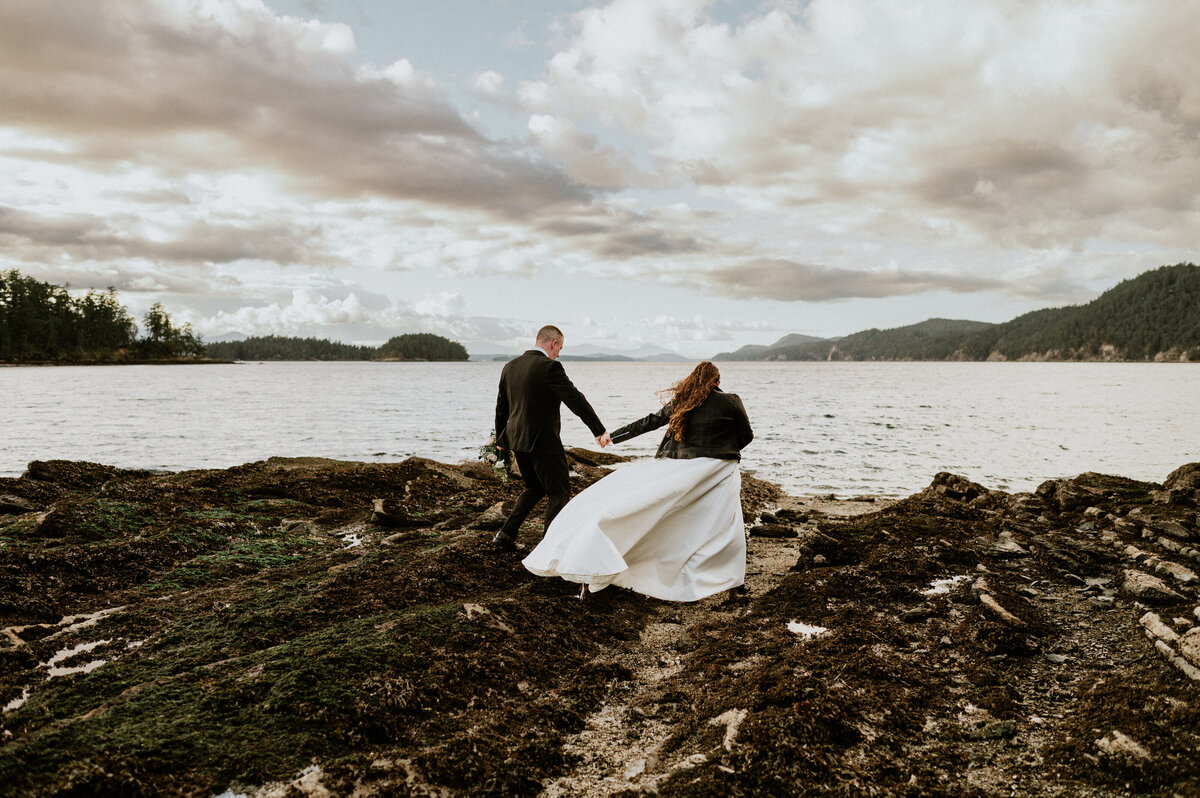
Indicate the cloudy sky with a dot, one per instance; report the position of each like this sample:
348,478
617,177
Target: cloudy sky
691,174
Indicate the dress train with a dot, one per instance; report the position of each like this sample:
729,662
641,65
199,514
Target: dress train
667,528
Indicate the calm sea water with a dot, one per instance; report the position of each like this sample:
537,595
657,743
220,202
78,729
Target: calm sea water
844,428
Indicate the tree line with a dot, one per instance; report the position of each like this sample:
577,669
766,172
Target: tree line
43,322
411,346
278,347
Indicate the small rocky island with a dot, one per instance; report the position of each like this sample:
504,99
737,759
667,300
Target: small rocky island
301,627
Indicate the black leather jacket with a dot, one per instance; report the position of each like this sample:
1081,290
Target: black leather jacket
717,428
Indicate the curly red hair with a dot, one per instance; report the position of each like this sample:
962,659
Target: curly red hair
688,394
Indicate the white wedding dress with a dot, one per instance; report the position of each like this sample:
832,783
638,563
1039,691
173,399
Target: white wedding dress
666,528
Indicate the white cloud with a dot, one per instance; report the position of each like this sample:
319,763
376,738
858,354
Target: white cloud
582,157
235,88
446,303
307,309
730,157
907,107
489,83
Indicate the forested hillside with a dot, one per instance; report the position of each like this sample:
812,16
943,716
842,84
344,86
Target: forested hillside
1154,316
41,322
934,339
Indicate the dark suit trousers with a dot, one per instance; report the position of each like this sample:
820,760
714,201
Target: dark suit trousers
546,473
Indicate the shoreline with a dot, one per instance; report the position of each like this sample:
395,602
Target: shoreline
180,362
354,622
197,361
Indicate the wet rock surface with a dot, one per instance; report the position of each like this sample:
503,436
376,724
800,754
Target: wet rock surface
316,627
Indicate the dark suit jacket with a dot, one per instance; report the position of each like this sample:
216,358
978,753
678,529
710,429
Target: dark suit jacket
532,389
718,427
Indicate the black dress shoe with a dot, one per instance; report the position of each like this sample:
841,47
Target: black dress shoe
504,541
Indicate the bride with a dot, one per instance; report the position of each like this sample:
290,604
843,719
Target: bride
670,527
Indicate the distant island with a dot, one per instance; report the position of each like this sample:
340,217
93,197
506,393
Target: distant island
422,346
1152,317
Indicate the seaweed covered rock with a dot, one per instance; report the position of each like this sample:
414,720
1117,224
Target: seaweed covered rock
184,634
72,474
14,505
1182,486
956,488
262,630
1186,477
1095,490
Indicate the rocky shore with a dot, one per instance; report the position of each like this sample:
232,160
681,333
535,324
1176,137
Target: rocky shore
301,627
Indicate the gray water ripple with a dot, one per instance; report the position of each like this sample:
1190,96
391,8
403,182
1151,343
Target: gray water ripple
846,428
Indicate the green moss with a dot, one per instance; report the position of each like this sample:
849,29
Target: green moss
106,519
258,505
260,554
214,514
177,579
11,542
263,714
195,536
277,649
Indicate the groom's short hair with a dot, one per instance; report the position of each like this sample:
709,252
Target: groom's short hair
549,333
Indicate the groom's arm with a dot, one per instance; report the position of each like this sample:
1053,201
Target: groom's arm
501,413
570,396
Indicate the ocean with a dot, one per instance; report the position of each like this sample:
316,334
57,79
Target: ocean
848,429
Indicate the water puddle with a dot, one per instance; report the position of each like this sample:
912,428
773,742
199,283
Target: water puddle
71,623
17,702
52,666
77,622
54,669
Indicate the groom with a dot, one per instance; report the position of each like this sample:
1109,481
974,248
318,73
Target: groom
532,386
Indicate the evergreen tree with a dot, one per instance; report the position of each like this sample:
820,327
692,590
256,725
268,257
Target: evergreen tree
164,340
43,322
105,326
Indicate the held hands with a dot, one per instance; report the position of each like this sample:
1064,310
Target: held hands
604,440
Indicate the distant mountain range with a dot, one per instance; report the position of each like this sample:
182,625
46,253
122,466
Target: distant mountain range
583,352
1152,317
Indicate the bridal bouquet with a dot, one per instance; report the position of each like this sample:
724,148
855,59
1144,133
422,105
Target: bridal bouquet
491,454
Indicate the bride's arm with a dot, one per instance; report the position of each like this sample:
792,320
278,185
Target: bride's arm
657,419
